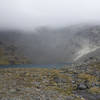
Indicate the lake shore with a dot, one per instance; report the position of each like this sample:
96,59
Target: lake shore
79,82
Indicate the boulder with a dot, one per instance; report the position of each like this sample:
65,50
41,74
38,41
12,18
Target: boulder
82,86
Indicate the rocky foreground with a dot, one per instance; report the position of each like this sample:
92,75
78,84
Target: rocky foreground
78,82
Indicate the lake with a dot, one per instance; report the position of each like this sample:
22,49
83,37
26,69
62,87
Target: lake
34,66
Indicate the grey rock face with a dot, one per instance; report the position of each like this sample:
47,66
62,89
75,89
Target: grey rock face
59,80
82,86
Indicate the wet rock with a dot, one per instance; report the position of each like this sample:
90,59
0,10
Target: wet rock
37,98
82,86
59,80
69,98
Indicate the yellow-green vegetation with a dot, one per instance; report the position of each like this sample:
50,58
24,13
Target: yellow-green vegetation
95,66
87,77
78,98
94,90
36,77
1,52
58,82
62,87
4,61
9,55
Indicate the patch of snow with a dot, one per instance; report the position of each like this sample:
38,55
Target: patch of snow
86,49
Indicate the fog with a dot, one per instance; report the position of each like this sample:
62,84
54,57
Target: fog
60,28
28,14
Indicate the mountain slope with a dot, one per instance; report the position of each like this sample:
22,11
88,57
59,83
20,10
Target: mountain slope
48,46
87,42
10,55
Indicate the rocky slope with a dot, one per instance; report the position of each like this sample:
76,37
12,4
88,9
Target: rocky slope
48,46
75,82
10,56
87,42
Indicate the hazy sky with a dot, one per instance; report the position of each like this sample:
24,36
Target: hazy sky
27,14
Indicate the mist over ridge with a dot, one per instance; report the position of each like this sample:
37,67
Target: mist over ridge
47,45
29,14
51,31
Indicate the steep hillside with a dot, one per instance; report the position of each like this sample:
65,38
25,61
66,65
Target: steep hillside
47,45
87,43
10,55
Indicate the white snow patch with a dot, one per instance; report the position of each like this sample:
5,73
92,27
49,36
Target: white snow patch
85,50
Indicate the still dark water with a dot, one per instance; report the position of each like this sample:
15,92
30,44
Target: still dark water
35,66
